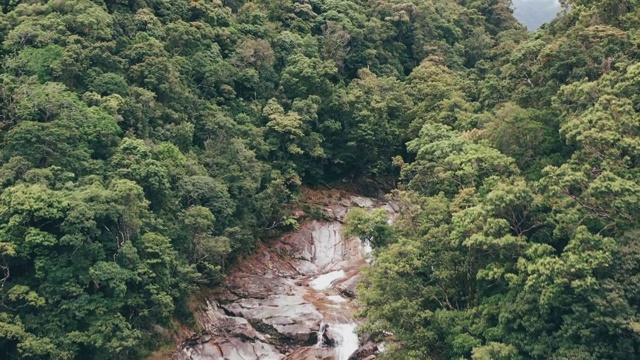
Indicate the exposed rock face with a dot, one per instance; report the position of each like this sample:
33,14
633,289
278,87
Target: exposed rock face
292,300
228,338
327,338
348,286
259,287
365,352
233,348
291,316
313,353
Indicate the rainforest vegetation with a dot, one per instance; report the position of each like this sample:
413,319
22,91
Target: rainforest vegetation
145,145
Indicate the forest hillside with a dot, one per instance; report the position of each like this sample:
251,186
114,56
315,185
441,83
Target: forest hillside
146,145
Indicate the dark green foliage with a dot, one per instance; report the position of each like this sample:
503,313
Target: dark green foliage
519,209
145,145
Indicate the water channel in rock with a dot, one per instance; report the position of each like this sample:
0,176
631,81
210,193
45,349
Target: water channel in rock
292,300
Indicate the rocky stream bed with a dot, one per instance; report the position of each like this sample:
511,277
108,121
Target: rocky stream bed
293,299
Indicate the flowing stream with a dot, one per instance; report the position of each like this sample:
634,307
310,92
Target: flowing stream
325,281
339,334
292,300
346,340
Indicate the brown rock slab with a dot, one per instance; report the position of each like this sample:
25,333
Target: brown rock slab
348,287
291,316
365,351
231,349
258,287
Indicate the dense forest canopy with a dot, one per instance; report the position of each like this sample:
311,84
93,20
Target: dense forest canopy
147,144
518,230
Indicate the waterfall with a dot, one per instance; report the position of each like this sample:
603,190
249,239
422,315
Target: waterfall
346,340
341,337
321,334
324,281
313,297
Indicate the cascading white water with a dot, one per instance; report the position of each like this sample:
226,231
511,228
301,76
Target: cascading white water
336,299
324,281
341,337
321,332
346,340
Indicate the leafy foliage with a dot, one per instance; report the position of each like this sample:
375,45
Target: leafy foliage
145,145
519,213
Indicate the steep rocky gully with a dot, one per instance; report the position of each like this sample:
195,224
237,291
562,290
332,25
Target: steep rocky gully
292,300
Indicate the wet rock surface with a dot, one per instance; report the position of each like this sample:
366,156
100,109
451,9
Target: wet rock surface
365,352
292,300
292,317
348,287
227,337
